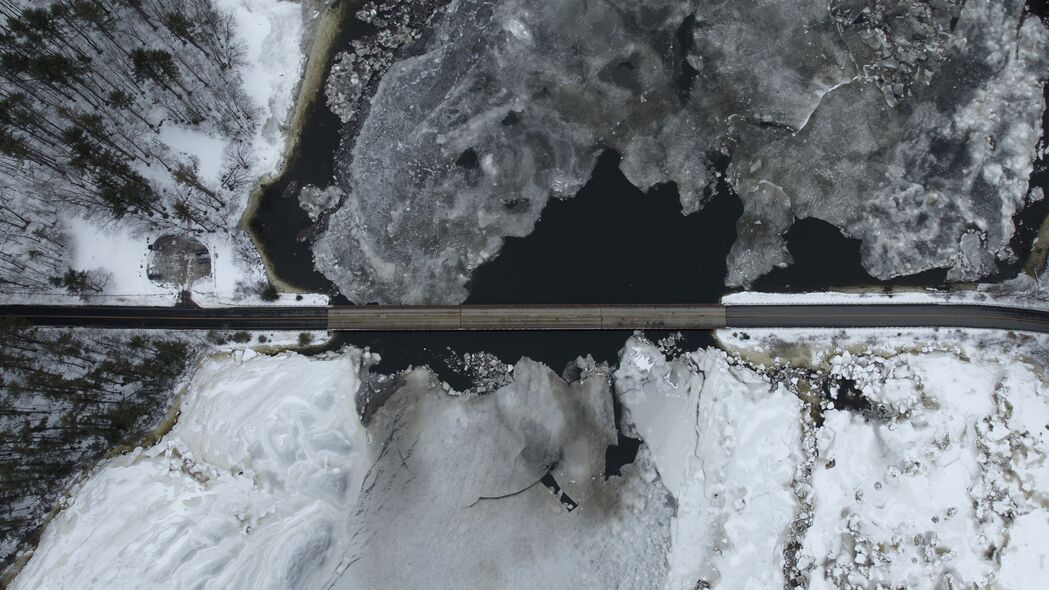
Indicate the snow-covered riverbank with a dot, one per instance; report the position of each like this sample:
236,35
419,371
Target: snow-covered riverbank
248,490
809,456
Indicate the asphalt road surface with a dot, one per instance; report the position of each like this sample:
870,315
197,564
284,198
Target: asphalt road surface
172,318
536,317
887,316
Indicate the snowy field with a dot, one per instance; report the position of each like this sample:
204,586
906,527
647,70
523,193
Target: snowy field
926,460
815,459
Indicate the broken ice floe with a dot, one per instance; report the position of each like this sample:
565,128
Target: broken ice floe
909,124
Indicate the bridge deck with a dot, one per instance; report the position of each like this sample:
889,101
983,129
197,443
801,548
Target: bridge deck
527,317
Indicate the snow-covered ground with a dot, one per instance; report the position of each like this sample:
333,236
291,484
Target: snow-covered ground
248,490
206,149
271,33
811,458
931,470
122,255
985,294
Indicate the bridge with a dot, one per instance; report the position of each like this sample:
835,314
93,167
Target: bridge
535,317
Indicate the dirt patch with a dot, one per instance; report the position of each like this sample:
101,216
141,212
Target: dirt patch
178,261
1036,260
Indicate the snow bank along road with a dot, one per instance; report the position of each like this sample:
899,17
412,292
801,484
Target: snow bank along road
538,317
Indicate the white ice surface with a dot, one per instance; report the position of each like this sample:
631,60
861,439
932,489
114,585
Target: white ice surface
1025,563
891,483
921,491
727,447
257,487
942,481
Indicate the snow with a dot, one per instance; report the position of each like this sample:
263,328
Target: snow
984,294
248,490
116,250
1025,563
122,254
727,448
808,458
272,33
230,271
835,297
923,487
891,483
205,148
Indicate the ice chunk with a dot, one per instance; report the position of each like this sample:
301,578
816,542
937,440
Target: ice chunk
759,245
316,201
727,448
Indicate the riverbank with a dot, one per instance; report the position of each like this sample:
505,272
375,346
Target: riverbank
1035,264
323,38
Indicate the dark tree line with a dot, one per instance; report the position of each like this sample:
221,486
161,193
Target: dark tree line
67,397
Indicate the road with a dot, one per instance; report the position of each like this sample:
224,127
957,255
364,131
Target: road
536,317
177,318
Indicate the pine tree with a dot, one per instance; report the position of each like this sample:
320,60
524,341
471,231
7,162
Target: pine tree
156,65
78,282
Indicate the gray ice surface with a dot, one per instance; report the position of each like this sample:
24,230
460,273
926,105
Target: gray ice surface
760,246
909,124
934,180
453,497
511,104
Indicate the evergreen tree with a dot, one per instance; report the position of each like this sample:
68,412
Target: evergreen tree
78,282
156,65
